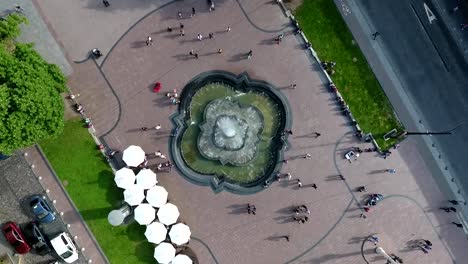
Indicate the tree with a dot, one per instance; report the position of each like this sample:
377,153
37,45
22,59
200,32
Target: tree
31,107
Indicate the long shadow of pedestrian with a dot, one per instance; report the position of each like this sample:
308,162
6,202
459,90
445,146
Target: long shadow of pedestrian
284,219
172,36
238,57
333,178
238,209
266,42
356,240
287,210
183,57
377,172
209,53
138,44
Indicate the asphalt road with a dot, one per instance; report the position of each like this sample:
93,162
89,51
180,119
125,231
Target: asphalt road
17,184
431,69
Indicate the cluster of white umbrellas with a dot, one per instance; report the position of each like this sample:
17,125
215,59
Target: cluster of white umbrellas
145,213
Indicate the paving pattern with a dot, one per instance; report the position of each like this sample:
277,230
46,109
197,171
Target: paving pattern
116,92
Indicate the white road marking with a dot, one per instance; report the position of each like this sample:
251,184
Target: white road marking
430,16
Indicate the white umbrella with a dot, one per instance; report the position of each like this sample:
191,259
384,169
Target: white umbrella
168,214
180,234
134,195
181,259
164,253
146,179
156,232
124,178
133,156
145,214
157,196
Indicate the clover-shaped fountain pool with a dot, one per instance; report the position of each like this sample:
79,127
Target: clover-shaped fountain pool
229,132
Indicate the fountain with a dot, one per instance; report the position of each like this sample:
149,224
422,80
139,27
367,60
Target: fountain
228,132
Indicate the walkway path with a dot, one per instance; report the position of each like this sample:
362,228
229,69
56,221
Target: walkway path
78,228
116,92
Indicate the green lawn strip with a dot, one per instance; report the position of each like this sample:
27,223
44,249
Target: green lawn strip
331,39
76,159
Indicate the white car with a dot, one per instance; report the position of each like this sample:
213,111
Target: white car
63,245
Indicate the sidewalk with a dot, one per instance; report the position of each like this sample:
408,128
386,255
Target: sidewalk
75,223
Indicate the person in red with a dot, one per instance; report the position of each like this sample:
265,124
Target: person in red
157,87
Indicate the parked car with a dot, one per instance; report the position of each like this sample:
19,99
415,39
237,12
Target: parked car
65,248
36,239
374,199
15,237
42,209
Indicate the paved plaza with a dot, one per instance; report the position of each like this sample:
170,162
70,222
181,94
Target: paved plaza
116,93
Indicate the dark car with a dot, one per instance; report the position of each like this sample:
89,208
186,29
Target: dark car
374,199
35,238
15,237
42,209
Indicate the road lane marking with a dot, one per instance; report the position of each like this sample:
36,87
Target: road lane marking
430,15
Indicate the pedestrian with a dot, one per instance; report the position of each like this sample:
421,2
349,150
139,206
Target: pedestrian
423,249
192,53
266,184
220,51
458,224
463,26
285,161
249,55
375,35
182,32
317,134
149,41
453,10
307,156
361,189
363,216
158,153
193,11
179,15
314,186
341,177
181,26
285,237
162,156
305,209
446,209
390,170
106,3
228,29
427,242
169,29
299,183
200,37
293,86
374,239
454,202
211,35
157,127
196,55
366,209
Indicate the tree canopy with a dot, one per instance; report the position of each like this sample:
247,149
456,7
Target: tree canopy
31,107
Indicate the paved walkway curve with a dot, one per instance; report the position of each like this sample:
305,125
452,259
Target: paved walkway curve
101,65
427,217
207,247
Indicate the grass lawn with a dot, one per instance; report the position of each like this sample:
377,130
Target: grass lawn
75,159
332,40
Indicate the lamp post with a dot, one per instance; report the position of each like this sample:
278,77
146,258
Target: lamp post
447,132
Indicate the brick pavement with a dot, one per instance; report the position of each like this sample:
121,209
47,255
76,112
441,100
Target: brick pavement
412,197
